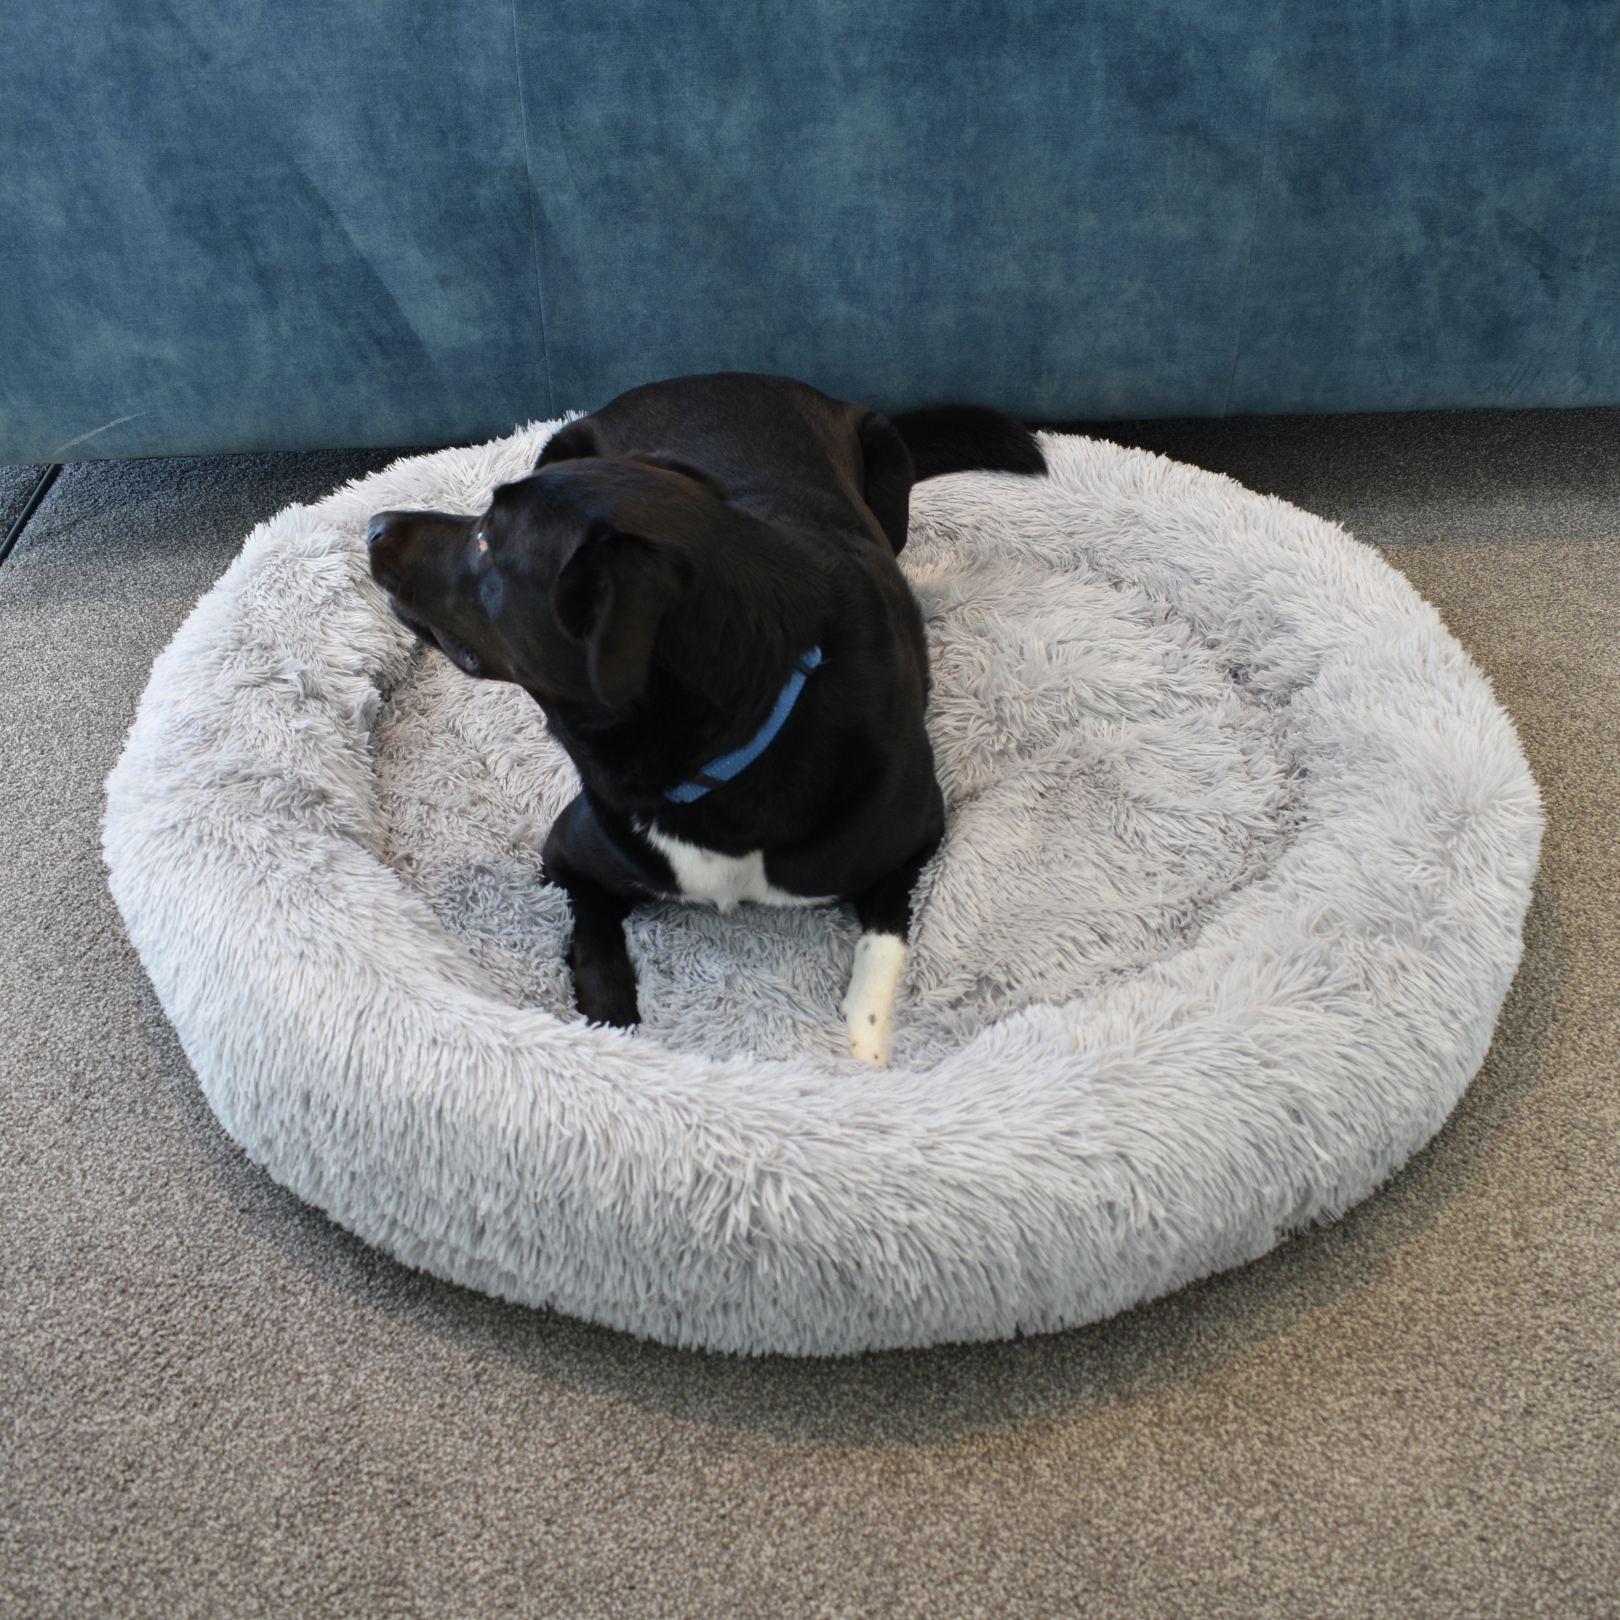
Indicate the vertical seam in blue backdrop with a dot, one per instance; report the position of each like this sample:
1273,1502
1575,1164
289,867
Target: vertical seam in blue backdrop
534,231
1254,222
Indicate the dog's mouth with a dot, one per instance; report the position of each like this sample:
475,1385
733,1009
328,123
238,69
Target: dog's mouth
459,654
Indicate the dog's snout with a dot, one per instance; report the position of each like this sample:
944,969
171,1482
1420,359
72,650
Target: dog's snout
380,530
385,549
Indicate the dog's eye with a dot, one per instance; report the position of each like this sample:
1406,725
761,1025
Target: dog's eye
483,544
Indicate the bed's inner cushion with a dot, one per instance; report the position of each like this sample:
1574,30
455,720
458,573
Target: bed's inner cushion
1109,780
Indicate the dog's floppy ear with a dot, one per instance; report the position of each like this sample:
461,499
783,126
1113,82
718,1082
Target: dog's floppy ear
611,597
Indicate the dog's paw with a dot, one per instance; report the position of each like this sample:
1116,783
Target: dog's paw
870,1042
868,1007
605,991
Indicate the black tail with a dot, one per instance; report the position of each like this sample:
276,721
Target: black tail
967,438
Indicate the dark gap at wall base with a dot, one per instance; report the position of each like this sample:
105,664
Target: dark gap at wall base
41,490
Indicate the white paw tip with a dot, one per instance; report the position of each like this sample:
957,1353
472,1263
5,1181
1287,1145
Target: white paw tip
868,1047
879,961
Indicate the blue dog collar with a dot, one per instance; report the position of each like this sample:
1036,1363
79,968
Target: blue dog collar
723,769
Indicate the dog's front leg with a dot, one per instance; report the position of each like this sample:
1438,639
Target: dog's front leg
604,977
880,957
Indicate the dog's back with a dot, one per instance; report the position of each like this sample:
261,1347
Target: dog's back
781,448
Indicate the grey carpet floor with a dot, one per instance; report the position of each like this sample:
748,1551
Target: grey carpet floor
213,1402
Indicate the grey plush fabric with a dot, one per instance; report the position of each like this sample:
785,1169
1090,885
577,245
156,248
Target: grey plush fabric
1238,848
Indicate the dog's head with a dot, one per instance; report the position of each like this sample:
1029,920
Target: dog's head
563,583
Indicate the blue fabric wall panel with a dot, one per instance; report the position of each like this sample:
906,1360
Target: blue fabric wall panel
1041,205
1440,220
406,118
297,226
274,225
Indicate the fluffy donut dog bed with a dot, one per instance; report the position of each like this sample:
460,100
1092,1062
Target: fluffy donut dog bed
1239,846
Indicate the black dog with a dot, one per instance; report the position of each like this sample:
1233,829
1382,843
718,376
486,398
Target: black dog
698,586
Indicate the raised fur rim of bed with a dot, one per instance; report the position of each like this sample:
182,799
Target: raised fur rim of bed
1239,847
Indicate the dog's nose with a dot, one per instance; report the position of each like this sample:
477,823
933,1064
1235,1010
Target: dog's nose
384,546
384,538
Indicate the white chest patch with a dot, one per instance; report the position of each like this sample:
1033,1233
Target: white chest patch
723,880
